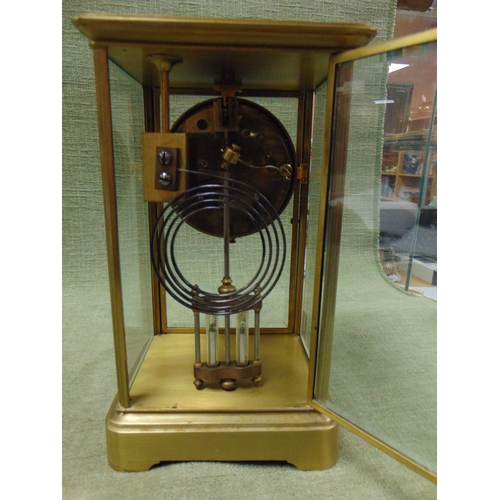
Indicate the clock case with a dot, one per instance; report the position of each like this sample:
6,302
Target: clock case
158,415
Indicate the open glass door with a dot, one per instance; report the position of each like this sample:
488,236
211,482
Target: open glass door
374,326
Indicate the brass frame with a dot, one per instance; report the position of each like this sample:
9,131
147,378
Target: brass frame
111,220
334,151
294,432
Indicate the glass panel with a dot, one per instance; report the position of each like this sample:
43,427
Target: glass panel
133,224
314,184
377,351
204,266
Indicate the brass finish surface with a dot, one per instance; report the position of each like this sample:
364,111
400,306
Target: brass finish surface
164,382
331,37
300,210
231,371
150,143
152,107
298,59
151,124
318,272
387,46
111,220
277,69
330,231
137,441
164,63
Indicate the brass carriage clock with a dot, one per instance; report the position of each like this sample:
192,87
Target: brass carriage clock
221,362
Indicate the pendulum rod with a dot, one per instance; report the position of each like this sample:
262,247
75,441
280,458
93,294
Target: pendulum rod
227,280
226,226
230,156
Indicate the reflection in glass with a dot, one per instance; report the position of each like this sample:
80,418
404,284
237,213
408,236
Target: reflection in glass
314,183
408,208
377,353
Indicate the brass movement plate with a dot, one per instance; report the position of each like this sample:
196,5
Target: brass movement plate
264,54
165,379
263,141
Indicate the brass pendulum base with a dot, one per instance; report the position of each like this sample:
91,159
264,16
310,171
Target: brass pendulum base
227,374
137,441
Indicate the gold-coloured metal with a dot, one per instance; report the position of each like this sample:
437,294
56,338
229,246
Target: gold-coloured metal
227,286
298,59
411,464
165,380
162,417
177,143
300,209
164,64
231,371
232,154
303,173
387,46
152,124
173,421
320,361
328,287
137,441
332,37
318,271
111,220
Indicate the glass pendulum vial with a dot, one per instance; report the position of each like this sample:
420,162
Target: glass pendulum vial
212,340
242,338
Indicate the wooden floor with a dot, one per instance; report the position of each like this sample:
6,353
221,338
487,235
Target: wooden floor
414,281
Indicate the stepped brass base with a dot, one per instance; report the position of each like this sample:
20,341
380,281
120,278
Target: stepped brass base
137,441
169,420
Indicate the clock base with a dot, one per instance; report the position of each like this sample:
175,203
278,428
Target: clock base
137,441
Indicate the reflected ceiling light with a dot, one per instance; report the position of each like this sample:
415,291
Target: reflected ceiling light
397,66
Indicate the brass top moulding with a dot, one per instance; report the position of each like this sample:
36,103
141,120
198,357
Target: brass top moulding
208,46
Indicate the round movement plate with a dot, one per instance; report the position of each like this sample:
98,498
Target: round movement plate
264,143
